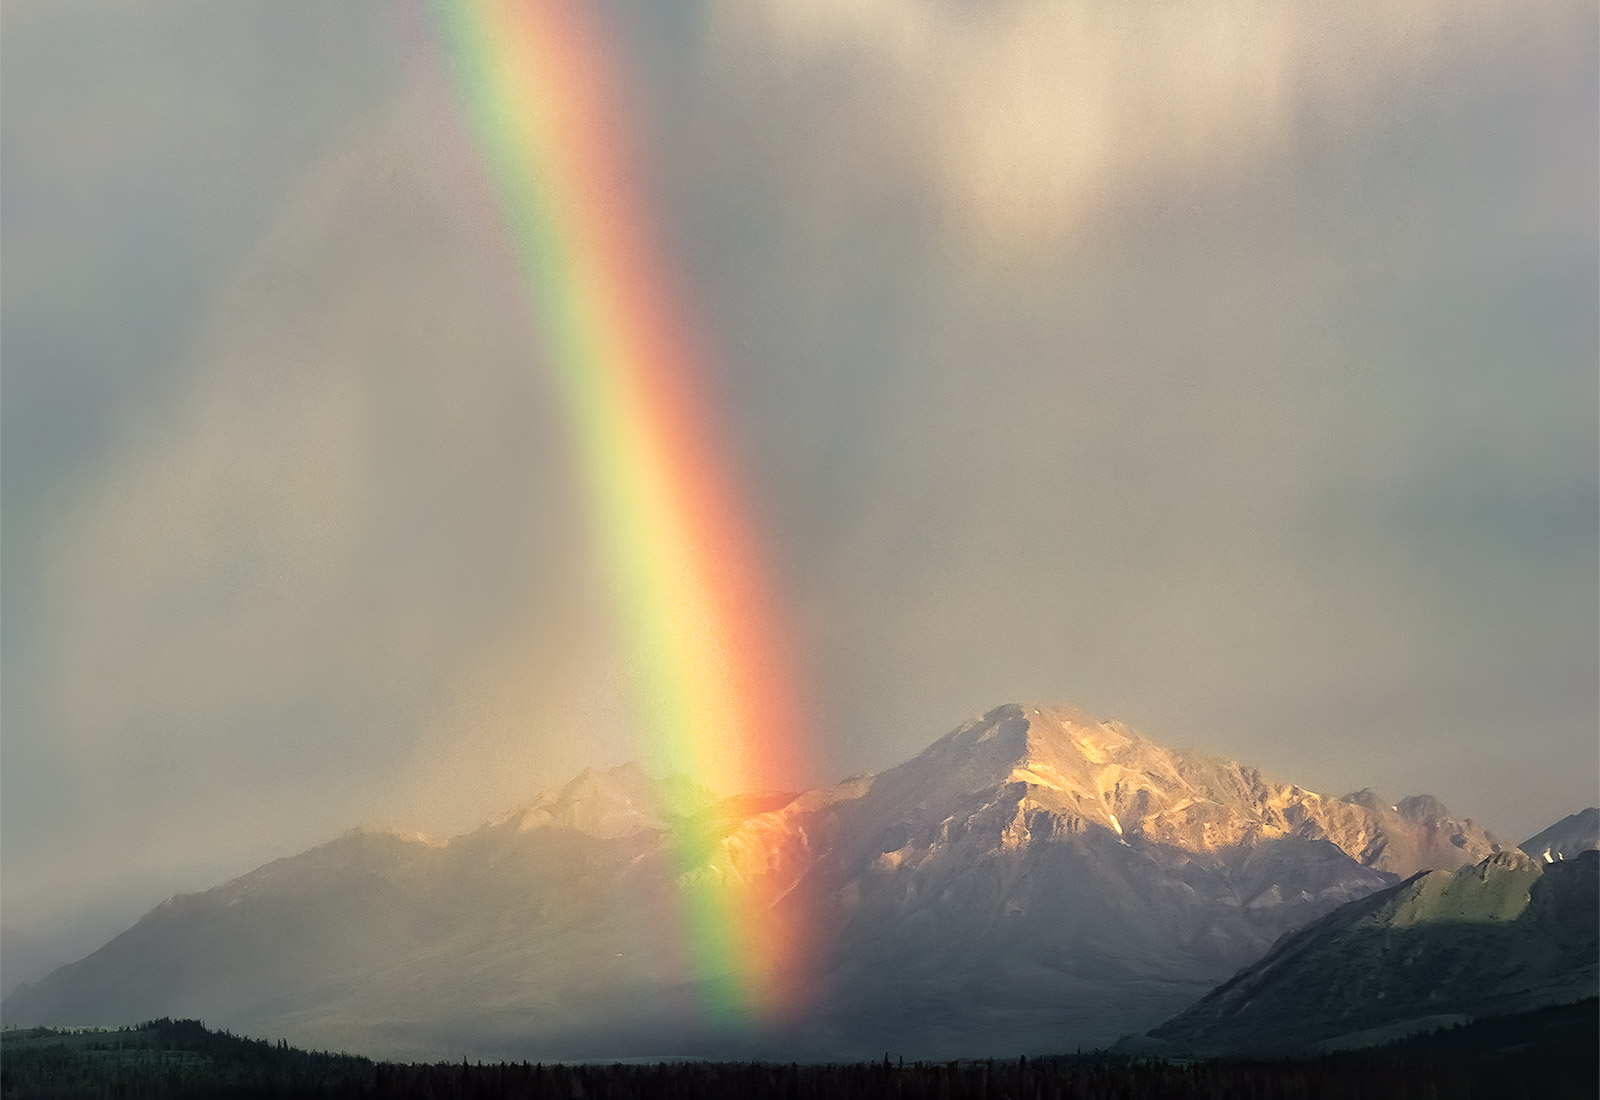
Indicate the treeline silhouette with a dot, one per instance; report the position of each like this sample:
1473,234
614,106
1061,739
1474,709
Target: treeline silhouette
167,1058
181,1059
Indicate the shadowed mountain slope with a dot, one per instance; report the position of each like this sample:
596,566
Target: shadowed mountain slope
1508,935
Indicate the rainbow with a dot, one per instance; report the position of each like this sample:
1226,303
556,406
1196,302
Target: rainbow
715,699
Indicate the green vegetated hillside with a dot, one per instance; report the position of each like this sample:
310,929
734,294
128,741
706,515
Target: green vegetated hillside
1507,935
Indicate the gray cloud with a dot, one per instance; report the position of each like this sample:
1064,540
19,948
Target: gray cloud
1246,392
1255,416
274,605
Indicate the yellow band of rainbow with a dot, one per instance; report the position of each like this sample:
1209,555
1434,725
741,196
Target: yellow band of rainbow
713,685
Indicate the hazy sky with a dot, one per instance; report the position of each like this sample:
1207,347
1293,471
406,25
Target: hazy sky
1226,367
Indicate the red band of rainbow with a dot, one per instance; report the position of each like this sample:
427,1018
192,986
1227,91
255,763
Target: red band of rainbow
714,688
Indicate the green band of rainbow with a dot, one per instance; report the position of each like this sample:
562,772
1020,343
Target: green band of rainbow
713,684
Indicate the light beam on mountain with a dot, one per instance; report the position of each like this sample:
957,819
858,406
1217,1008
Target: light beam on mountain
714,692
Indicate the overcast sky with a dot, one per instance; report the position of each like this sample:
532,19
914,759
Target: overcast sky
1229,368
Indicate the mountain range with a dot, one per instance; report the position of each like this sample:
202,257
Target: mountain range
1035,880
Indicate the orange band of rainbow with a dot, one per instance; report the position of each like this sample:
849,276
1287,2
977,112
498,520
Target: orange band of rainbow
713,681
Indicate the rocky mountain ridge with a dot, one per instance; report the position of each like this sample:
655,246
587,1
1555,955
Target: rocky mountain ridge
1034,880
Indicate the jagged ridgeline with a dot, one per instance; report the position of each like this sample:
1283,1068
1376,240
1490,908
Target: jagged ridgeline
1034,881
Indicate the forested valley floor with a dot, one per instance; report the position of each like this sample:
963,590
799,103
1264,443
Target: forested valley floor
1551,1053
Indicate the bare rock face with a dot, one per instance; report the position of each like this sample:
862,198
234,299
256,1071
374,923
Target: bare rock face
1105,774
1416,834
1035,880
